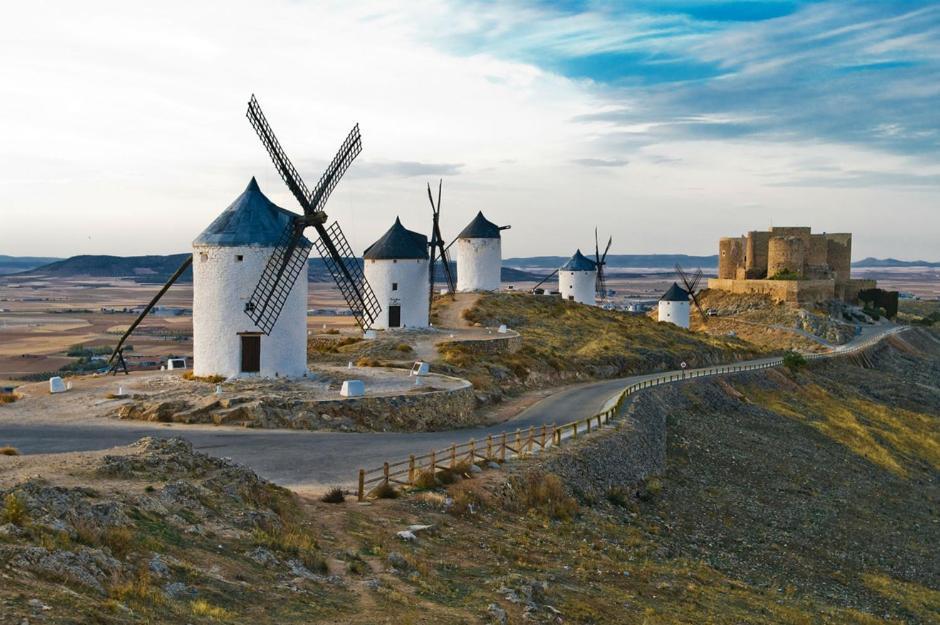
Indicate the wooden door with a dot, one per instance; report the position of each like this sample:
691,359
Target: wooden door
251,353
394,316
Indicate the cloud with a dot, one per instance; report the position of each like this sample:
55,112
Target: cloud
600,162
404,169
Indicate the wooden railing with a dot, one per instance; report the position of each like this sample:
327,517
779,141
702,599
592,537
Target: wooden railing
506,445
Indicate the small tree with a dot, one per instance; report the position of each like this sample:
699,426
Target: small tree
794,361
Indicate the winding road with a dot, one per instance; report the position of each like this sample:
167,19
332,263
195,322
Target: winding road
312,460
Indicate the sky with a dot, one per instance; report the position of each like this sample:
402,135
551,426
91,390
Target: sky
665,124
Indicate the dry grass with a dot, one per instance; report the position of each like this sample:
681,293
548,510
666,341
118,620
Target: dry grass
209,379
334,495
14,511
204,609
385,491
7,398
546,494
9,450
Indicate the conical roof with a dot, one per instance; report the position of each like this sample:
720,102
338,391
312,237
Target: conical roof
398,242
675,294
252,219
480,228
579,262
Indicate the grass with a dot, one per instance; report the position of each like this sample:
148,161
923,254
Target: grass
7,398
204,609
14,510
209,379
385,491
293,541
9,450
334,495
545,493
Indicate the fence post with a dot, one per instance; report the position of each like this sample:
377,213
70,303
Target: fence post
489,447
473,451
518,442
385,472
544,431
531,439
574,430
556,435
587,422
453,456
502,448
433,462
411,469
362,485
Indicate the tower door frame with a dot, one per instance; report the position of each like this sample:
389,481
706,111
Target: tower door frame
250,351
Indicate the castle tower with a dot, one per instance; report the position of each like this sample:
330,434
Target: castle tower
396,267
228,258
479,256
786,255
674,306
577,279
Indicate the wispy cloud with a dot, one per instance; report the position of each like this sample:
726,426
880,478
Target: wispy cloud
600,162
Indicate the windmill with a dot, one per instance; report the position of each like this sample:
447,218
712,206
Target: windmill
290,255
289,258
691,282
601,260
436,245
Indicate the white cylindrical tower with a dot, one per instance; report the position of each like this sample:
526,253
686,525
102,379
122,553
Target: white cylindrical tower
577,279
479,256
674,306
228,259
396,267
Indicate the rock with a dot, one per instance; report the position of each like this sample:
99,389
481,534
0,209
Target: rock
179,590
262,556
418,528
497,614
13,531
406,535
158,567
88,567
398,561
373,583
475,469
493,465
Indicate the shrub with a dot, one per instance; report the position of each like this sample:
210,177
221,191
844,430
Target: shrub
7,398
786,274
293,541
385,491
650,490
366,361
138,588
334,495
331,331
546,493
201,607
466,497
7,450
425,479
14,510
404,347
356,565
618,496
210,379
794,361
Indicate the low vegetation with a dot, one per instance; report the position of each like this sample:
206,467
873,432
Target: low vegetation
7,398
8,450
208,379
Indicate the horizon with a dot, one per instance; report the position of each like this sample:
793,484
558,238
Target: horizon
666,125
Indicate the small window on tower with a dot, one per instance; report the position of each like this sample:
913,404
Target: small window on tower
239,258
394,286
203,257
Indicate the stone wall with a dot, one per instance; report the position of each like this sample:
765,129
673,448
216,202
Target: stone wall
839,255
755,259
786,255
500,344
730,255
788,291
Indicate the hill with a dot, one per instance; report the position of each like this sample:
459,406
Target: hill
650,261
892,262
16,264
160,268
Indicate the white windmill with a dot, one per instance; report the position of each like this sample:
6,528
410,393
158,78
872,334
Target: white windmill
577,279
479,256
396,267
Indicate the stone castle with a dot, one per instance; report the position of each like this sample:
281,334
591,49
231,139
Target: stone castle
791,264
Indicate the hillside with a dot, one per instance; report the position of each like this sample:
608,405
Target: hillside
893,262
160,268
16,264
768,498
653,261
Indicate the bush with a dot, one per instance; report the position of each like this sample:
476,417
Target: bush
618,496
385,491
426,479
466,497
7,450
404,347
7,398
201,607
546,493
334,495
650,490
794,361
786,274
14,510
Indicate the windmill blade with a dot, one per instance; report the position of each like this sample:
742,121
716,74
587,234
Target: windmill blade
342,264
606,249
280,273
698,306
597,249
284,167
346,154
545,279
600,283
694,281
120,345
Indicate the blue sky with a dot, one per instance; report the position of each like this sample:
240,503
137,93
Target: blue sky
667,124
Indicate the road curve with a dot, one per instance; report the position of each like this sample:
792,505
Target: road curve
312,460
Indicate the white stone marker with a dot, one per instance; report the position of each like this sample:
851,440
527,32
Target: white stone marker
353,388
56,385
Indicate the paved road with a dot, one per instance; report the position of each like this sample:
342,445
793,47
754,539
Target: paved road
302,459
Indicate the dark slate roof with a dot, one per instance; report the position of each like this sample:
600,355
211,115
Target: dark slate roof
675,294
579,262
398,242
252,219
480,228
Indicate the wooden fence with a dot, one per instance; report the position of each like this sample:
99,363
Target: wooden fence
520,443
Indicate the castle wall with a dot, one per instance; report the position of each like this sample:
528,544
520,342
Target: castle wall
785,291
839,255
730,256
817,257
756,251
786,254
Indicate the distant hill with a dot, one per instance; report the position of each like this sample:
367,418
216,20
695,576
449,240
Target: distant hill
158,269
652,261
16,264
892,262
